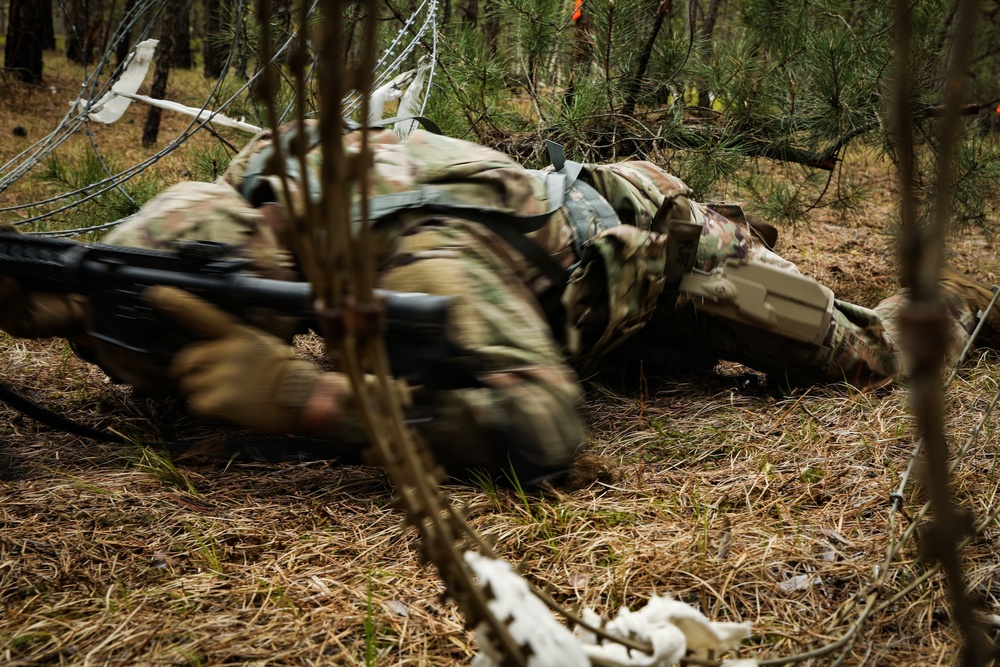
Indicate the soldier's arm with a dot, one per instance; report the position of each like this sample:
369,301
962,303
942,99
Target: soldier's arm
522,416
525,414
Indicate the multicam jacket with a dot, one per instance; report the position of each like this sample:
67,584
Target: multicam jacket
615,310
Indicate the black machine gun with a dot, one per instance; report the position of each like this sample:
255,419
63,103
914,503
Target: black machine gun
113,279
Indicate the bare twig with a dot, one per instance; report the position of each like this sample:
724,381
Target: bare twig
924,319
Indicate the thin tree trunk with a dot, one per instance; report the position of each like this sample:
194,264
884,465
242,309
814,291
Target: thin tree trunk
182,37
124,44
48,32
631,98
491,32
281,11
708,27
158,89
23,51
353,39
705,35
80,31
468,13
212,45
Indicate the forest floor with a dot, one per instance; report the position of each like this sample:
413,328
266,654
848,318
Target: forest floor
748,501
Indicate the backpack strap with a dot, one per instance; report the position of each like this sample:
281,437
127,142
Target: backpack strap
557,158
433,200
425,123
508,226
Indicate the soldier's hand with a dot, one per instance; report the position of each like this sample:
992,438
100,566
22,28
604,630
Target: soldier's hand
28,314
238,374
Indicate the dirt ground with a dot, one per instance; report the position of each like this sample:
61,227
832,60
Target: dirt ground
750,502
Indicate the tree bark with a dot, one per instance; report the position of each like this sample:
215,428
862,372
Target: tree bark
124,44
354,17
213,49
83,20
182,57
161,74
491,31
708,26
23,51
468,12
705,37
48,32
643,62
78,48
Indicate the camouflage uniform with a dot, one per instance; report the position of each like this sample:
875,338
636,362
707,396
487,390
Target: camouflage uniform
617,307
664,327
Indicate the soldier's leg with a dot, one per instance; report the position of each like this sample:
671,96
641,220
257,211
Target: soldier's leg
860,345
975,299
615,296
855,346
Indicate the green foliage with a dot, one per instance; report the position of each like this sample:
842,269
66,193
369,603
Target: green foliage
795,81
161,466
790,81
977,172
703,170
85,176
477,92
209,163
534,29
371,630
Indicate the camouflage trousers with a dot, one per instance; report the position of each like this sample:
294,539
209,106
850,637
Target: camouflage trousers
621,314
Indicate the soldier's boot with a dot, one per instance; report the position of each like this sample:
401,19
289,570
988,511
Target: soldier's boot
978,296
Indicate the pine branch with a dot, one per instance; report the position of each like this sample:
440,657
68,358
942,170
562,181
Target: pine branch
939,110
826,160
829,157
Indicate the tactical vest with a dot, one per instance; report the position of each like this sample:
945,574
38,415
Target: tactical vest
587,212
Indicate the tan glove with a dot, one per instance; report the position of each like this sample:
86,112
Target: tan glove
239,374
27,314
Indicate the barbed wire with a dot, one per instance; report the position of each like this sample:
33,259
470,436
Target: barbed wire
70,122
421,23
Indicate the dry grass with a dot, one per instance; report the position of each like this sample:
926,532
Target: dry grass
29,113
719,491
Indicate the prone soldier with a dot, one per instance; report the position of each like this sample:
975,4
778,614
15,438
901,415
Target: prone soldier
575,270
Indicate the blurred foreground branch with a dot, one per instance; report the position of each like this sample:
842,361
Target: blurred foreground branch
338,260
924,320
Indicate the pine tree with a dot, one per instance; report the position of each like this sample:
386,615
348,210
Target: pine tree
83,20
709,87
25,32
213,46
161,73
182,57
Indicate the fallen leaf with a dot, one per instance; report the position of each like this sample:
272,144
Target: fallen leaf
397,607
799,582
